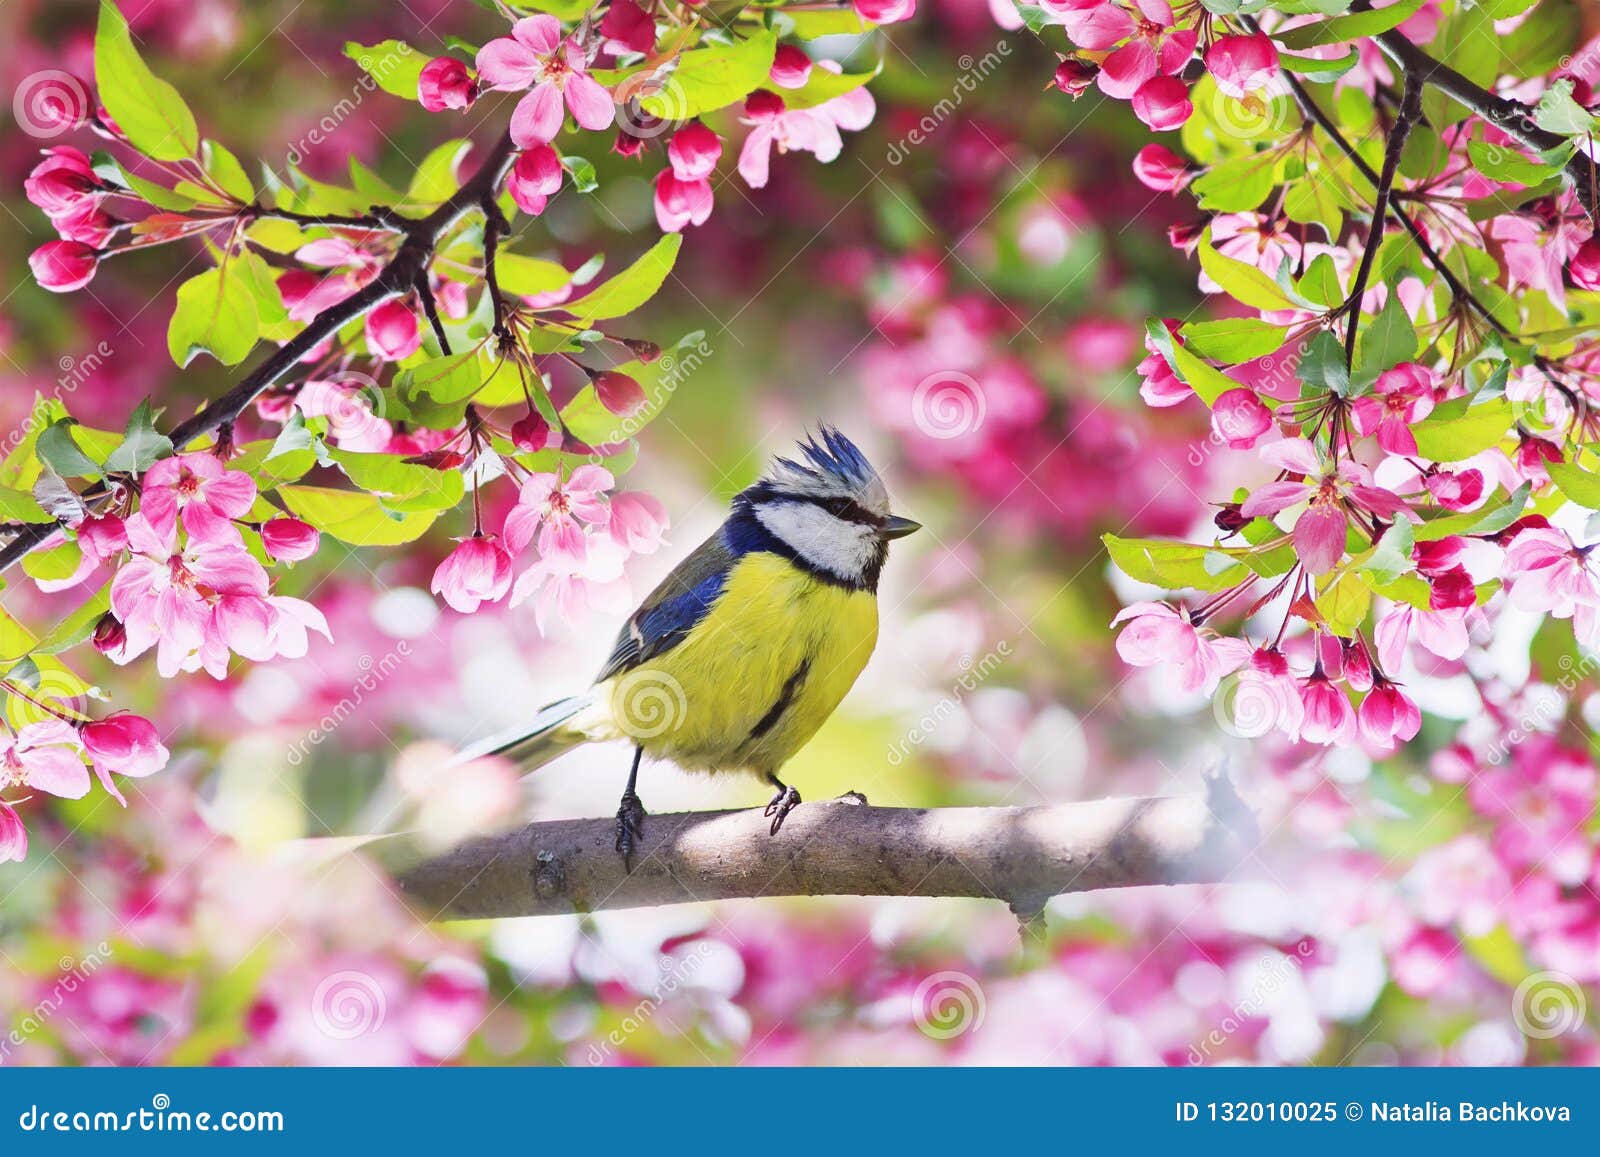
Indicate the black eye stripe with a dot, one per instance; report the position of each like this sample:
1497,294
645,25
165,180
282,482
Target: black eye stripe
848,509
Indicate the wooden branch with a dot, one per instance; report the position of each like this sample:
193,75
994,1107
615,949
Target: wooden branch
1512,117
399,276
1020,855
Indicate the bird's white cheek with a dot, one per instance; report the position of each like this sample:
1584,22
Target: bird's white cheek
833,544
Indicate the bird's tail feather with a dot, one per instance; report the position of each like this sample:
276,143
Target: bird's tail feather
534,746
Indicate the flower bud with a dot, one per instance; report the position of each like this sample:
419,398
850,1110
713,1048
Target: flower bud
289,539
63,266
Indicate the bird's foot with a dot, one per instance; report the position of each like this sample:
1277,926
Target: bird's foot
784,801
854,798
630,827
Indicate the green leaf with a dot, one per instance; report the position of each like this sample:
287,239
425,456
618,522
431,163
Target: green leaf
525,276
52,565
435,178
1345,603
15,506
1386,341
224,168
148,110
1352,26
1319,71
713,77
402,486
1243,283
1234,339
1172,565
1559,113
78,626
1579,485
1320,284
141,445
822,86
1502,163
216,314
1206,381
1322,367
393,64
1238,185
1452,439
58,450
631,288
445,379
353,516
1392,556
1477,522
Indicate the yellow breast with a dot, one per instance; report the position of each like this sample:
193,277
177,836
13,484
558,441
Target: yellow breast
755,679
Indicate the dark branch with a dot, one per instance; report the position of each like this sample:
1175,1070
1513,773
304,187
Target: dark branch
1410,112
399,276
1512,117
1021,856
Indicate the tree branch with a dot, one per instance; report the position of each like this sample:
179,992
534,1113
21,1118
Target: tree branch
398,276
1511,117
1410,112
1021,855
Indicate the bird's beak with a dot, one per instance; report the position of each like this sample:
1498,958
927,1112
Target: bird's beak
898,527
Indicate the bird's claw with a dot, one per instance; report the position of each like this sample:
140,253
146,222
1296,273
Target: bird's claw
630,827
784,801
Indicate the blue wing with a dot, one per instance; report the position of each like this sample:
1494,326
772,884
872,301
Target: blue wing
674,608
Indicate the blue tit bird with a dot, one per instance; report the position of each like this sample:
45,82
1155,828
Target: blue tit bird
735,660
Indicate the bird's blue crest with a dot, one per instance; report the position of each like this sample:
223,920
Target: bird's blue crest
831,455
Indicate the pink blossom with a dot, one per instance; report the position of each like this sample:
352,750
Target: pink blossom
1162,103
1584,266
1161,169
392,331
534,179
1267,697
1388,717
1328,717
1460,882
63,266
1456,490
564,588
1074,77
62,183
87,223
628,28
1546,573
444,83
1442,633
1542,799
1242,64
810,130
205,493
638,521
1095,26
885,11
619,393
791,67
558,511
124,745
13,835
1426,962
535,55
289,539
1239,419
194,606
694,151
475,572
1157,635
681,203
531,433
1403,395
43,756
